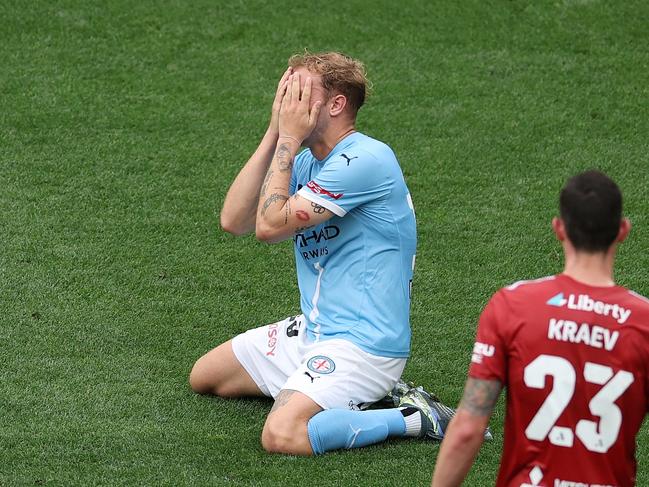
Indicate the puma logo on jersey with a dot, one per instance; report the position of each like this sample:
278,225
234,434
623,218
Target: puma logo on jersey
311,377
583,302
592,335
349,159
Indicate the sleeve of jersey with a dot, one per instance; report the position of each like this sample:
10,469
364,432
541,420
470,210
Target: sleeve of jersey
489,358
343,185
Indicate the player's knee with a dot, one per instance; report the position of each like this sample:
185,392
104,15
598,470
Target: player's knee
203,380
279,438
198,380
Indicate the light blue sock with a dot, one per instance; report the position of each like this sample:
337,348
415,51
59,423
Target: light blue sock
341,428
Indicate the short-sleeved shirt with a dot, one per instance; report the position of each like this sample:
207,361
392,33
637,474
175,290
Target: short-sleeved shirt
575,360
355,270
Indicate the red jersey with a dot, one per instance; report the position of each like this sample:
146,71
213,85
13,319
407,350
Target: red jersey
575,361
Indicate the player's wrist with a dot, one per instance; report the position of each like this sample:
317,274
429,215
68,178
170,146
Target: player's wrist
270,137
290,137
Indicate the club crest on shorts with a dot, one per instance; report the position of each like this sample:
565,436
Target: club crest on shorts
321,364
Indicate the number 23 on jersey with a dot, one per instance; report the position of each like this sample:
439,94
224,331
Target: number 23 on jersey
597,436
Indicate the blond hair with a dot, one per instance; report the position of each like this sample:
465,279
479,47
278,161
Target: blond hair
339,73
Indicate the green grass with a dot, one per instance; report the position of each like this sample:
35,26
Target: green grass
122,125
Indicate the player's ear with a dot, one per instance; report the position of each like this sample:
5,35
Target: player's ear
559,228
337,105
625,228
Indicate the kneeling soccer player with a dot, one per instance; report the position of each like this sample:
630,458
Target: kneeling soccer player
345,204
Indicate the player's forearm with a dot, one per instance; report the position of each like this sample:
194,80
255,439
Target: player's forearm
240,206
459,449
274,208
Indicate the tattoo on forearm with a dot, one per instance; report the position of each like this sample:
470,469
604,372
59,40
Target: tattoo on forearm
480,396
282,398
302,215
317,208
269,174
273,198
287,210
284,158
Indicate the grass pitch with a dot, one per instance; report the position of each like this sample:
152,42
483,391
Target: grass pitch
122,125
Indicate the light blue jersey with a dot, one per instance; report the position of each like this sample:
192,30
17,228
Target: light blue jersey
355,270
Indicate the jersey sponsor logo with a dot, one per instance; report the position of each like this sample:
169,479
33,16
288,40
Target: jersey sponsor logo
592,335
272,339
316,188
316,236
481,350
536,475
314,254
321,364
583,302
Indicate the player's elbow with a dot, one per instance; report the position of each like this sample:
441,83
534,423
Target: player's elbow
466,429
470,435
267,233
232,225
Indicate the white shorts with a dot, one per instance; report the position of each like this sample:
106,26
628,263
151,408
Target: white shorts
334,373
